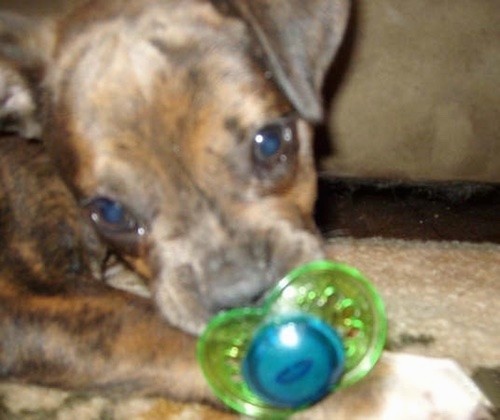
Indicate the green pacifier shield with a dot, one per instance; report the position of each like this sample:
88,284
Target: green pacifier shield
320,294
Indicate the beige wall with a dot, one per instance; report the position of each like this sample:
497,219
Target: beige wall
421,95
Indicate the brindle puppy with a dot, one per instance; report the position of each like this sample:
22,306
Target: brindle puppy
173,144
164,146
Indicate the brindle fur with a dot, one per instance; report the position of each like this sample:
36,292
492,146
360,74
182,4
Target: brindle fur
153,103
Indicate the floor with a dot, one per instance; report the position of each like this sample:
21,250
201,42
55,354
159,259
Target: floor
428,211
424,211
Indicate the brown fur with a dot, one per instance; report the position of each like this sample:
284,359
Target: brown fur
153,104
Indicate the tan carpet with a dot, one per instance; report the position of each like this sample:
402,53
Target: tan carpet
443,299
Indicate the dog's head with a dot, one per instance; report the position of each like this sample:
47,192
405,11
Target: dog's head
183,130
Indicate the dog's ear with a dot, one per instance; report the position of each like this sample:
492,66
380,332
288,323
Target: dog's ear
299,39
24,50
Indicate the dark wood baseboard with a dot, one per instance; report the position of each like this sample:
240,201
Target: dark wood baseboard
461,211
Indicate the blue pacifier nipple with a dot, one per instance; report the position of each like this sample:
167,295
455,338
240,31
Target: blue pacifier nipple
294,361
323,327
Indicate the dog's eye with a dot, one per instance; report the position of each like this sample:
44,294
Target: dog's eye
274,147
270,140
112,218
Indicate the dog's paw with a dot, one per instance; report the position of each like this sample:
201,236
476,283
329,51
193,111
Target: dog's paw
17,106
409,387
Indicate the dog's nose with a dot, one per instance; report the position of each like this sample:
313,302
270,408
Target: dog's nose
258,298
241,301
238,294
237,280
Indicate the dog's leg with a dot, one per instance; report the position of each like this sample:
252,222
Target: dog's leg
410,387
95,339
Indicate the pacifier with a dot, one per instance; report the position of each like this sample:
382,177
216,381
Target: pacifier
322,328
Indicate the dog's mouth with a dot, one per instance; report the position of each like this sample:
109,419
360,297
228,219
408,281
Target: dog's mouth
223,278
188,295
191,294
121,276
238,276
222,299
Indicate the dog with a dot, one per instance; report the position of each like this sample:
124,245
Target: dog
157,168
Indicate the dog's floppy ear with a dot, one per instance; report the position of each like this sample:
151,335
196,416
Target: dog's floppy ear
299,39
24,48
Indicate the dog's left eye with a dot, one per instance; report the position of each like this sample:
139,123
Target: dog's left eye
112,218
274,147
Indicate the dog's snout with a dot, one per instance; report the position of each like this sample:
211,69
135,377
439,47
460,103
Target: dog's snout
255,255
241,301
241,276
238,287
258,298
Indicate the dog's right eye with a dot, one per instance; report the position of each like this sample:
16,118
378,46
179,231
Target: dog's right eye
113,220
274,149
